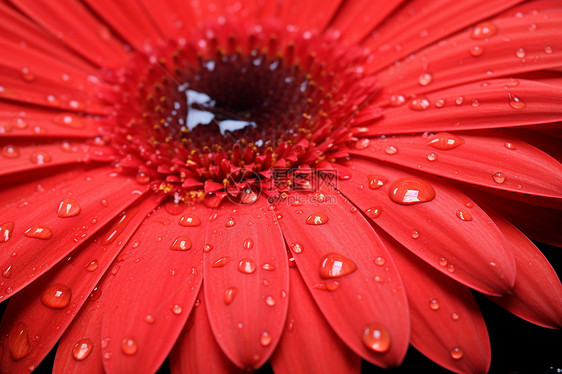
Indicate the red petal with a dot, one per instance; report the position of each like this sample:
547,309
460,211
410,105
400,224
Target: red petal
444,315
246,282
76,26
308,335
173,17
30,257
487,159
497,106
463,58
307,14
472,251
197,350
80,274
537,294
370,295
153,292
422,23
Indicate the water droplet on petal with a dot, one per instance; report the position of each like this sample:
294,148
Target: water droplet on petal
221,262
7,273
335,265
456,353
18,341
476,50
92,265
6,230
463,215
376,337
317,219
207,248
443,261
269,301
432,156
230,222
56,296
268,267
397,100
510,146
475,103
26,74
296,247
149,318
247,266
362,143
415,234
548,49
129,346
376,181
265,339
189,220
229,295
10,151
176,309
182,243
40,158
39,232
484,30
520,53
499,177
459,100
440,103
82,349
419,103
515,102
380,261
455,316
409,191
434,304
425,79
248,243
391,150
373,212
445,141
68,208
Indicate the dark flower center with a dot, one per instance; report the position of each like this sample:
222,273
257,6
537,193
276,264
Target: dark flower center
217,110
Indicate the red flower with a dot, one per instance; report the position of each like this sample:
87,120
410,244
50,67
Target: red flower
305,183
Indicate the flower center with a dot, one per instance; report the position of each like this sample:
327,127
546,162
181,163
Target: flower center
213,112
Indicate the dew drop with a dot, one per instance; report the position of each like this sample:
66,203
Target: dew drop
484,30
440,103
499,177
149,318
475,103
248,243
335,265
380,261
415,234
7,273
229,295
129,346
391,150
268,267
410,191
424,79
455,316
56,296
520,53
82,349
6,230
68,208
397,100
269,301
229,222
376,181
207,248
376,337
432,156
456,353
181,243
247,266
510,146
459,100
26,74
419,103
296,247
463,215
445,141
10,151
39,232
443,261
373,212
40,158
18,341
265,339
92,265
515,102
476,50
176,309
142,177
221,262
451,268
434,304
189,220
317,219
362,143
548,49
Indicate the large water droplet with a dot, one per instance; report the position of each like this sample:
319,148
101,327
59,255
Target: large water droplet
397,100
434,304
265,339
176,309
463,215
181,243
6,230
269,301
247,266
296,247
515,102
189,220
484,30
419,103
376,337
499,177
510,146
410,191
520,53
425,79
92,265
335,265
391,150
456,353
18,341
10,151
229,295
248,243
82,349
56,296
68,208
317,219
380,261
445,141
39,232
373,212
376,181
229,222
129,346
40,158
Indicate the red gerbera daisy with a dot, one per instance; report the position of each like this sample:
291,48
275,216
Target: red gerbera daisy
306,183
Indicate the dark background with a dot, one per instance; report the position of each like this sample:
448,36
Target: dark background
518,347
